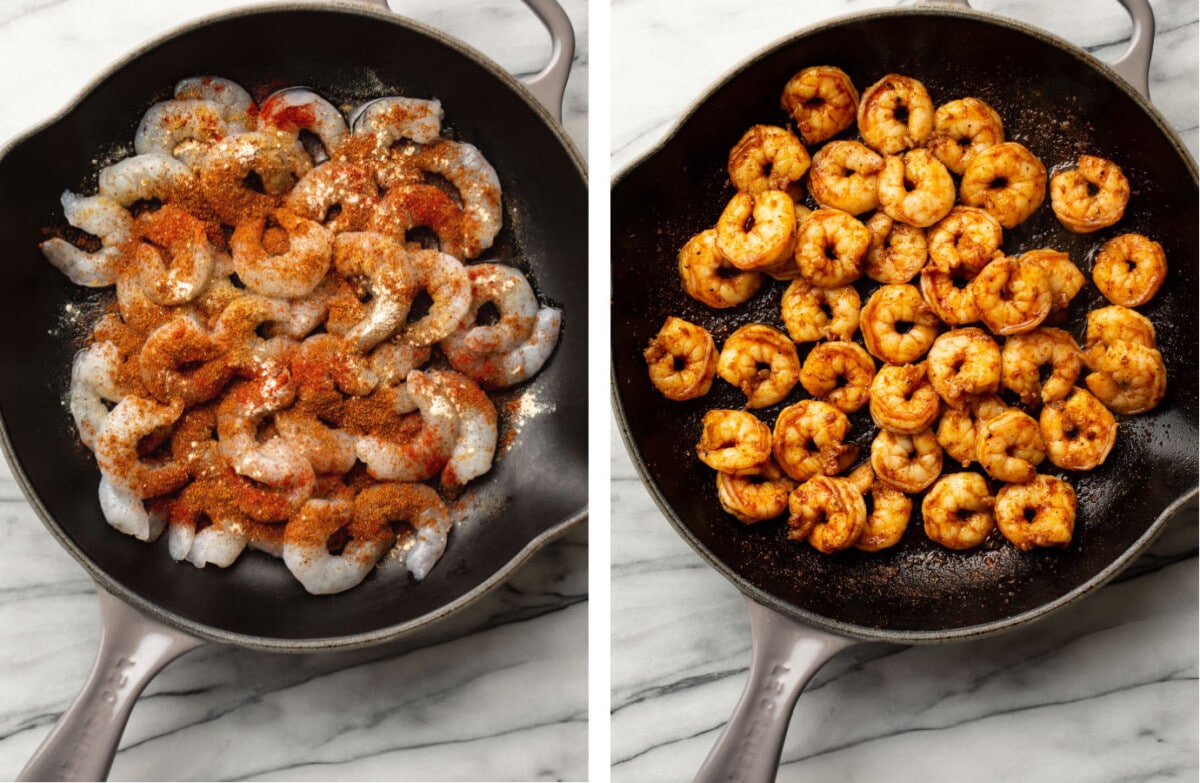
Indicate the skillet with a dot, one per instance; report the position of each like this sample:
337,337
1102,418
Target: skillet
916,593
345,51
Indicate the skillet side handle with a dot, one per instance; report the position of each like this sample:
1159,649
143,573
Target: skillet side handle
549,85
786,656
1134,65
133,648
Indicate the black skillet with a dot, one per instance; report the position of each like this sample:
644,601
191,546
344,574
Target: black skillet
155,609
805,607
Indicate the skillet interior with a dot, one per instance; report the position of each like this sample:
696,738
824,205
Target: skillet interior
344,56
1059,105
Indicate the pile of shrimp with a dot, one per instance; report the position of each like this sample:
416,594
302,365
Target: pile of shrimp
289,364
959,360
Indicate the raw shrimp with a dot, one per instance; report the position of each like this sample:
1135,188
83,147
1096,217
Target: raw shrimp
1064,277
219,544
116,447
734,442
306,546
142,178
189,258
958,511
682,360
101,217
707,277
475,445
93,382
185,130
903,400
498,370
328,450
963,128
465,167
278,161
830,248
1129,378
895,114
180,359
1079,431
963,363
808,440
392,360
276,463
289,274
1007,180
1011,447
427,452
408,206
419,506
1024,356
822,102
755,498
829,512
953,303
1038,513
768,158
395,117
1130,269
235,103
1013,295
446,281
958,430
760,361
383,264
915,188
342,196
843,176
909,463
967,239
125,511
756,230
296,109
829,363
516,305
897,325
1090,197
897,251
810,312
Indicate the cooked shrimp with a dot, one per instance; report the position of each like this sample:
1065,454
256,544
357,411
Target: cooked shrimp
1090,197
418,505
734,442
811,313
235,103
1079,431
465,167
1024,356
1039,513
506,288
296,109
104,219
755,498
289,274
396,117
189,258
760,361
1013,295
1007,181
830,248
915,188
768,158
341,196
808,440
116,447
682,360
828,512
963,363
963,128
887,518
1129,378
180,359
126,512
909,463
1064,277
897,325
895,114
958,511
499,370
408,206
897,251
966,239
707,277
306,546
756,230
185,130
843,176
93,382
425,453
1010,446
1114,324
1130,269
477,429
950,301
142,178
822,102
839,373
958,430
277,159
903,400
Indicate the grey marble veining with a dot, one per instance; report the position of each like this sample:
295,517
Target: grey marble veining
1105,690
435,706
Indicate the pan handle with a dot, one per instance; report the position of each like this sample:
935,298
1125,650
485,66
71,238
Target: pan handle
786,656
133,648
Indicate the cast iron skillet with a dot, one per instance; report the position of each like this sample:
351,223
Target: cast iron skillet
344,52
1058,101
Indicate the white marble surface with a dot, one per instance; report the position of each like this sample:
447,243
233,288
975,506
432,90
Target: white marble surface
1103,691
439,706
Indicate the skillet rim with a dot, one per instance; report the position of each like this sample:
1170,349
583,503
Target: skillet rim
767,599
153,609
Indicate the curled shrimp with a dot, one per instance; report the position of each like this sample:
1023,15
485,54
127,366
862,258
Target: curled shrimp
949,295
915,188
1024,356
888,511
409,206
1107,326
1010,446
898,251
963,128
1063,276
235,103
707,277
174,257
475,445
734,442
822,102
1007,180
963,363
116,447
341,196
1079,431
828,512
768,158
499,370
424,454
516,306
682,360
381,262
809,440
1038,513
958,511
306,546
277,159
967,238
830,248
1130,269
757,230
760,361
1129,378
104,219
844,175
958,429
839,373
1090,197
275,463
304,252
328,450
182,129
903,400
895,114
1013,295
811,312
180,359
297,109
420,507
909,463
465,167
757,497
126,512
446,281
897,325
324,362
396,117
144,177
93,382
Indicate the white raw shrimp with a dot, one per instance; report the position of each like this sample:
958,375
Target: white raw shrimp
101,217
174,258
328,450
144,177
477,429
235,102
395,117
506,288
393,360
377,507
296,109
323,362
380,261
424,454
126,512
306,547
469,171
292,273
116,447
278,160
446,281
219,543
185,130
276,462
516,366
93,381
345,189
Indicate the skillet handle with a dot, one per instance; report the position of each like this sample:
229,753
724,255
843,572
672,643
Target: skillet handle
1134,65
786,656
133,648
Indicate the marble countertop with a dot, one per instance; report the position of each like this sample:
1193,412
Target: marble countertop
1103,691
402,711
